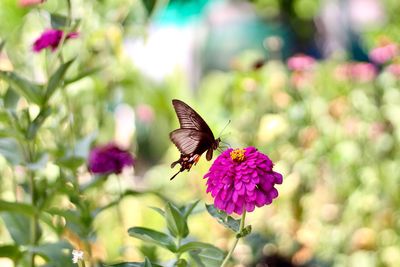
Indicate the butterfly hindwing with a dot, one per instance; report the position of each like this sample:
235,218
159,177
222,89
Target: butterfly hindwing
189,141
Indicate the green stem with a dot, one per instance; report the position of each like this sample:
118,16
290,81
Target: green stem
120,213
226,260
34,220
178,241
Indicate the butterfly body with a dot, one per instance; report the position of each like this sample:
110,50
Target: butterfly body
193,138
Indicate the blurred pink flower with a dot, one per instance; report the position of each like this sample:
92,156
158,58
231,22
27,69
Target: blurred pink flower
364,72
51,38
356,71
300,62
26,3
394,69
145,113
384,53
242,179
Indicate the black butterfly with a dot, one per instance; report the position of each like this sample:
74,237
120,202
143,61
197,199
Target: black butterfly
193,138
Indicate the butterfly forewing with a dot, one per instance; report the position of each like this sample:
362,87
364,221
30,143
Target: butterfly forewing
190,119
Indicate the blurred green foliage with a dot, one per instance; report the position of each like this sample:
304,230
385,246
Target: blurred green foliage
336,142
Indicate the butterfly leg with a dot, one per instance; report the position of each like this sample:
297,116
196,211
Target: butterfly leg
186,163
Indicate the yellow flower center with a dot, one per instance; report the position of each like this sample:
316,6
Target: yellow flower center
238,155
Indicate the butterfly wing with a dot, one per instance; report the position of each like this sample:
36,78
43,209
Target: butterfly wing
190,141
190,119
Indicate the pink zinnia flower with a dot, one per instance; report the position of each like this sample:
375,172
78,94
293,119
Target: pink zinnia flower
384,53
51,38
109,159
26,3
241,179
300,62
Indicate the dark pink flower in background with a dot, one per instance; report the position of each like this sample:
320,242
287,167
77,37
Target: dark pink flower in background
356,71
242,179
300,62
26,3
109,159
384,53
51,39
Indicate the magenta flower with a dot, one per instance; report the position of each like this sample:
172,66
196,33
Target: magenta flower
242,179
51,38
384,53
109,159
300,62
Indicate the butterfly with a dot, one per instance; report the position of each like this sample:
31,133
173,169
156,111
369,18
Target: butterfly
193,138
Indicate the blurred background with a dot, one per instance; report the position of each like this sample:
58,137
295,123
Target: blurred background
314,84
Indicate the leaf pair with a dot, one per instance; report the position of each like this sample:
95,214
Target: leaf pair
176,219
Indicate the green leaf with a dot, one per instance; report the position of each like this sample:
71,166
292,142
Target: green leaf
56,254
146,263
82,74
176,223
189,208
23,87
181,263
208,257
58,21
158,210
57,78
223,218
153,236
18,226
10,251
11,99
21,208
246,231
196,246
37,122
149,5
11,151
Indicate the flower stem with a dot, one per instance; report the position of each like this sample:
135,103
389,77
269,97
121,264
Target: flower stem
236,240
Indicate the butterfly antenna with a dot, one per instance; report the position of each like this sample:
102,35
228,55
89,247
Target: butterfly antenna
226,125
227,144
175,175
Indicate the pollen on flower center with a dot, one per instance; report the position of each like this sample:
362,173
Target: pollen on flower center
238,155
